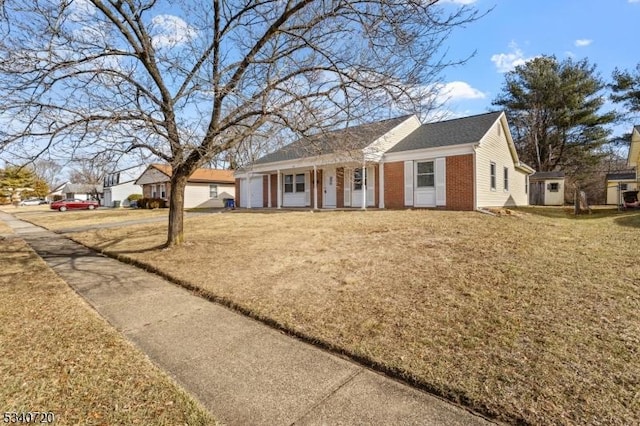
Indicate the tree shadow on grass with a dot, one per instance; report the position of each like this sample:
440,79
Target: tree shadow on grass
631,219
567,212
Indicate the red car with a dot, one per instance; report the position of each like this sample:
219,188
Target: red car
64,205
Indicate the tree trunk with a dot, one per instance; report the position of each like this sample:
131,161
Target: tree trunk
175,234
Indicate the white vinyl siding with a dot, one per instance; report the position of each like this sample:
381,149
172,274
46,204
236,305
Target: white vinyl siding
295,192
408,183
198,195
494,148
612,190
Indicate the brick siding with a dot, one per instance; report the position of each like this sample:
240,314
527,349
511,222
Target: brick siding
394,185
460,182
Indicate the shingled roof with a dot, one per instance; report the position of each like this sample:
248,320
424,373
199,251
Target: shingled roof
351,138
624,175
547,175
446,133
201,175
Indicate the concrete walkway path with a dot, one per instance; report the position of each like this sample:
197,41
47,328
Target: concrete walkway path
243,371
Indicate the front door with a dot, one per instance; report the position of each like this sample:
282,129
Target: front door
329,185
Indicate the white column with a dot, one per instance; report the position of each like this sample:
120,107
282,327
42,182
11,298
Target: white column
269,190
381,185
248,191
279,190
364,185
315,187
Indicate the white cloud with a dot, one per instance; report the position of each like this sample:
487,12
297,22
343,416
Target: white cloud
634,1
506,62
459,90
170,31
582,42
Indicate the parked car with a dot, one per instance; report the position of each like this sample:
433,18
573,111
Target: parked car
64,205
31,202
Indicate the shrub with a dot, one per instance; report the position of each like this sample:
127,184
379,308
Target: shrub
135,197
151,203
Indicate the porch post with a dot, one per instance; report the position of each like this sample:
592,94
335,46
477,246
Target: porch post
381,185
364,185
279,190
268,190
248,190
315,187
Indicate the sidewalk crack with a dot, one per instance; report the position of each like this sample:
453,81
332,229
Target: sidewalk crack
329,395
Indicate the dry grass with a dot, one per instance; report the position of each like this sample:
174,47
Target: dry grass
57,221
529,317
57,355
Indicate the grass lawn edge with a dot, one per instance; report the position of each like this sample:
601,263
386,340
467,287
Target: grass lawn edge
451,395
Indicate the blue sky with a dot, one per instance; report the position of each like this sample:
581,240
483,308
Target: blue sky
605,32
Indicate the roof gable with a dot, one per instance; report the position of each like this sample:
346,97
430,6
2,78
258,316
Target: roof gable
634,149
337,141
457,131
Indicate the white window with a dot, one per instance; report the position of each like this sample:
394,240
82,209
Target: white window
492,173
300,183
425,176
357,179
506,178
290,186
154,194
213,191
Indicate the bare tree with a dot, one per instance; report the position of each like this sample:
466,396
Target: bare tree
188,80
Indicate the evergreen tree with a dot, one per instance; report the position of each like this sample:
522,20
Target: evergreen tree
554,109
626,89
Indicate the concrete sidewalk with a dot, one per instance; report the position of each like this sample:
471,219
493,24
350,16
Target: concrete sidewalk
243,371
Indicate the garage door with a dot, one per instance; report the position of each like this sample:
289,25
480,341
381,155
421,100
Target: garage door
254,191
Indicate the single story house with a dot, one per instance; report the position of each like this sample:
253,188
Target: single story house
546,188
56,193
461,164
120,184
619,182
81,191
206,188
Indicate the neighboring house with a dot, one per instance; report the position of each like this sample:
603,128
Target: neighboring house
57,193
120,184
81,191
619,182
634,152
206,188
461,164
546,189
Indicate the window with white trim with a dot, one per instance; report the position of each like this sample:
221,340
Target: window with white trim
294,183
154,191
506,178
163,191
492,174
213,191
300,183
357,179
425,174
554,187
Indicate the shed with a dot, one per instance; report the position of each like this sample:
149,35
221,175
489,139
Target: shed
619,182
546,188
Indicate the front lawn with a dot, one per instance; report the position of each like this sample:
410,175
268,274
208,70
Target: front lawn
58,221
58,356
525,317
